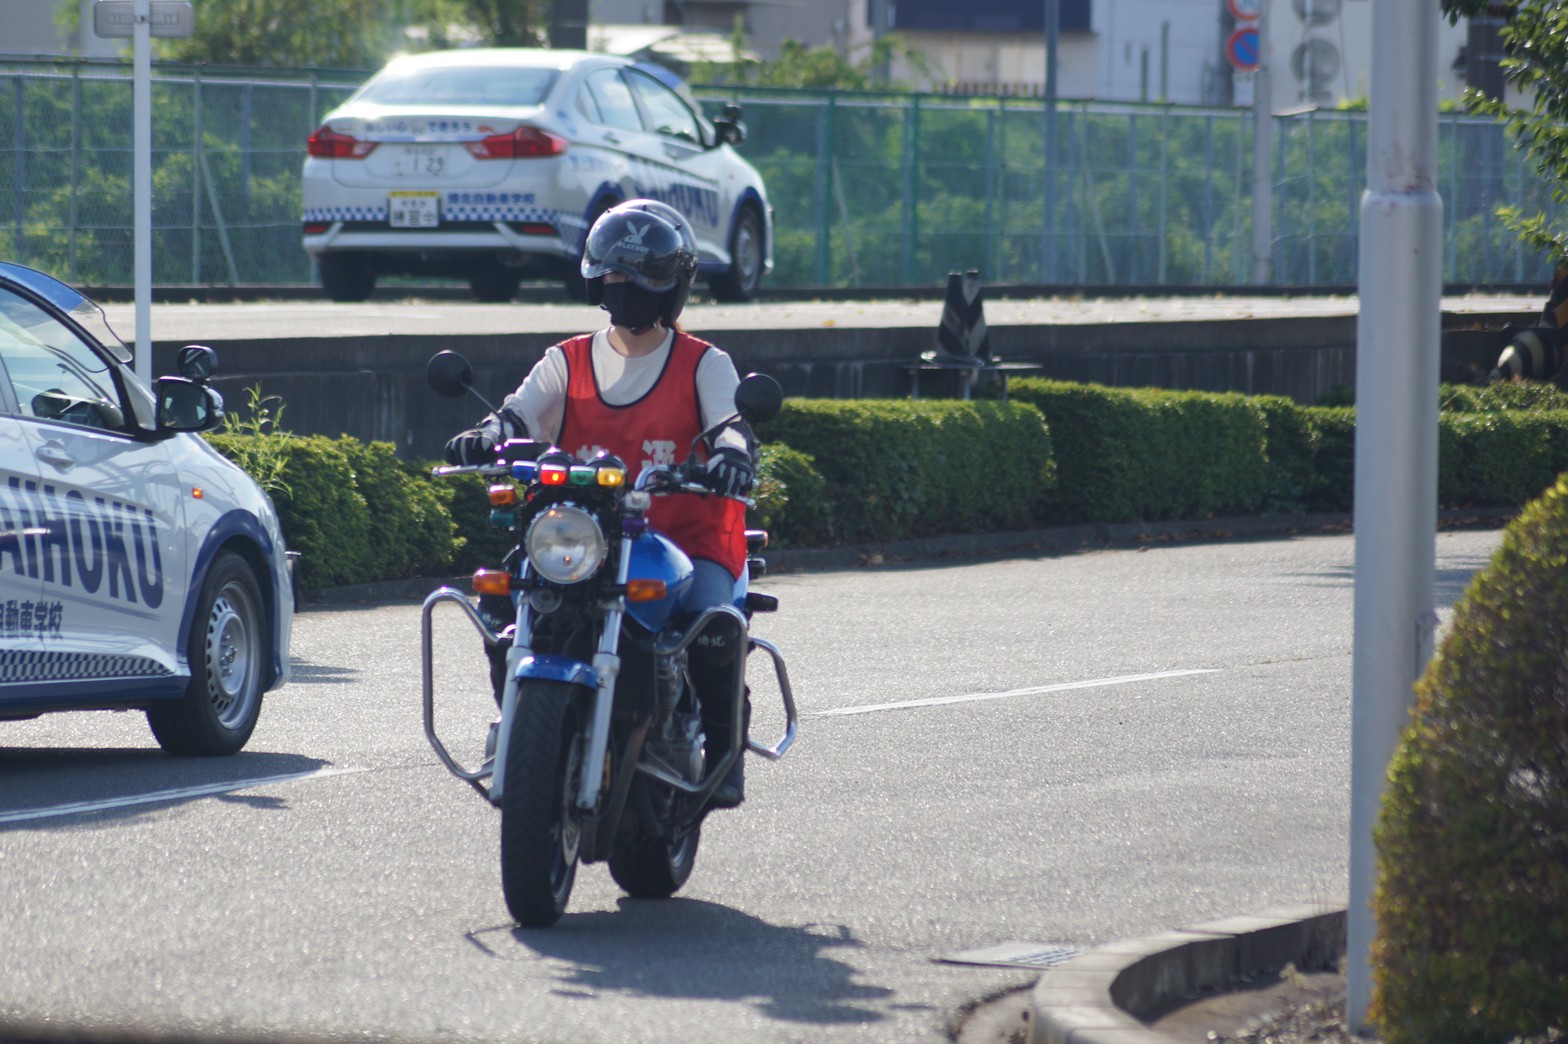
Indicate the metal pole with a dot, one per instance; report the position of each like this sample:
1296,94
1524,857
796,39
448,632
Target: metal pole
1053,31
1262,165
19,172
1395,516
141,185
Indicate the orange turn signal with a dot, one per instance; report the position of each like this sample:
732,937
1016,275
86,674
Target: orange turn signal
644,590
503,496
492,582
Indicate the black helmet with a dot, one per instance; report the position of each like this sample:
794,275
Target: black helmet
641,240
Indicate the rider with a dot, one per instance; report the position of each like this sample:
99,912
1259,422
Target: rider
643,389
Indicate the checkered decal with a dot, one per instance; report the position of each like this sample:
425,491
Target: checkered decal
454,208
52,666
346,214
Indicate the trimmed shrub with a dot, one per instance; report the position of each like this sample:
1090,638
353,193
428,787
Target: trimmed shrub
894,469
411,527
1147,454
1472,902
791,499
1501,458
1508,395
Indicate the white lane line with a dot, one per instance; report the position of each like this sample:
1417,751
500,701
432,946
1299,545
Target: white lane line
179,793
938,701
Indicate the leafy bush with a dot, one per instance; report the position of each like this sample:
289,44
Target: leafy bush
1146,454
791,499
1508,395
411,529
1501,458
1472,903
894,469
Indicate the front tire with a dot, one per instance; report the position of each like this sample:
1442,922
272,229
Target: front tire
741,281
540,832
654,869
227,646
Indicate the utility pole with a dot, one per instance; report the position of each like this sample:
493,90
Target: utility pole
1398,333
1053,32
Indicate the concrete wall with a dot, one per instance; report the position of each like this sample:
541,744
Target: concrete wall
374,387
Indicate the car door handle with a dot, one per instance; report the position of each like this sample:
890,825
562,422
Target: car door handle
612,139
54,453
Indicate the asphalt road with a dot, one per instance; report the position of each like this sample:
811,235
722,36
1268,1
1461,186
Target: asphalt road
1063,751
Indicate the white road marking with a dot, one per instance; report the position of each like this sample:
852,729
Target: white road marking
938,701
179,793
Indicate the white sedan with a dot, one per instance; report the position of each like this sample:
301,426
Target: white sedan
138,567
491,164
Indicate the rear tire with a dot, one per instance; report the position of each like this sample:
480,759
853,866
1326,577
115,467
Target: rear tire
741,281
540,832
347,277
654,869
226,648
495,285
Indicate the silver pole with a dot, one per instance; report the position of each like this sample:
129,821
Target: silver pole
1262,157
1397,337
141,180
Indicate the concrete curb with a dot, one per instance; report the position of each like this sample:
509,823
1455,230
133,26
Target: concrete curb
1104,996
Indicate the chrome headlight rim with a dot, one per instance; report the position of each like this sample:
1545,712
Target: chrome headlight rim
565,544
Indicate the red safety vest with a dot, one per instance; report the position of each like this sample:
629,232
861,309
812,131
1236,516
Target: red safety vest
656,429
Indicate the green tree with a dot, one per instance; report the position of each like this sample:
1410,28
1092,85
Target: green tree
1535,36
815,68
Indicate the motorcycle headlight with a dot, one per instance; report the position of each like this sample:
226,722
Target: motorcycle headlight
565,544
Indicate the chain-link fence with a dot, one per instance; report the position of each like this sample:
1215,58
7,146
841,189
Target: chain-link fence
868,190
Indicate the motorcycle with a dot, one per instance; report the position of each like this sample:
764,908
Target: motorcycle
599,753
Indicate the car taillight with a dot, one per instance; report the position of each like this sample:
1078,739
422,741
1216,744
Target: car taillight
327,143
523,143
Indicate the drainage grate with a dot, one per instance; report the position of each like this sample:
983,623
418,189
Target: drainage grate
1016,955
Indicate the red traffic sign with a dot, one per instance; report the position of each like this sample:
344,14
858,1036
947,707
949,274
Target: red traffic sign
1241,49
1244,10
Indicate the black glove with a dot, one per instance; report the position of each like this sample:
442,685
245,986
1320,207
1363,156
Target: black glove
729,472
471,447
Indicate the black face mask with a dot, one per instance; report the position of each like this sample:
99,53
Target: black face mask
631,306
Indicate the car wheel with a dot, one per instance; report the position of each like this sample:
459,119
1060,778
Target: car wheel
495,285
743,278
226,647
347,277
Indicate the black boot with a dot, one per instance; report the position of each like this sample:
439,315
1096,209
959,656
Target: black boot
712,663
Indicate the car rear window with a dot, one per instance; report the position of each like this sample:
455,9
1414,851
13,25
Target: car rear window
468,85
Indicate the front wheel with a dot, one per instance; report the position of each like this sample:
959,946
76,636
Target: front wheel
540,831
226,648
743,278
654,869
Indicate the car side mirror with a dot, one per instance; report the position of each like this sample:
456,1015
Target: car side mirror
729,127
186,404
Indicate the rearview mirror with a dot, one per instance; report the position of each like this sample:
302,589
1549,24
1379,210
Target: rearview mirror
449,375
758,398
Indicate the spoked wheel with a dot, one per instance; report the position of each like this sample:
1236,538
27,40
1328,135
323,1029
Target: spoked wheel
654,869
741,280
226,647
540,831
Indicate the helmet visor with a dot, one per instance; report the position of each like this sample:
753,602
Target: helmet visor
643,248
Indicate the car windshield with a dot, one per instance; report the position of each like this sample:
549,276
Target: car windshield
460,85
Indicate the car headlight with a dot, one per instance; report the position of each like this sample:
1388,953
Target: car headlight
565,544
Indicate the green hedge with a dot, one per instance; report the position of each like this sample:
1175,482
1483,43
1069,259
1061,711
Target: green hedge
1472,902
893,469
861,471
